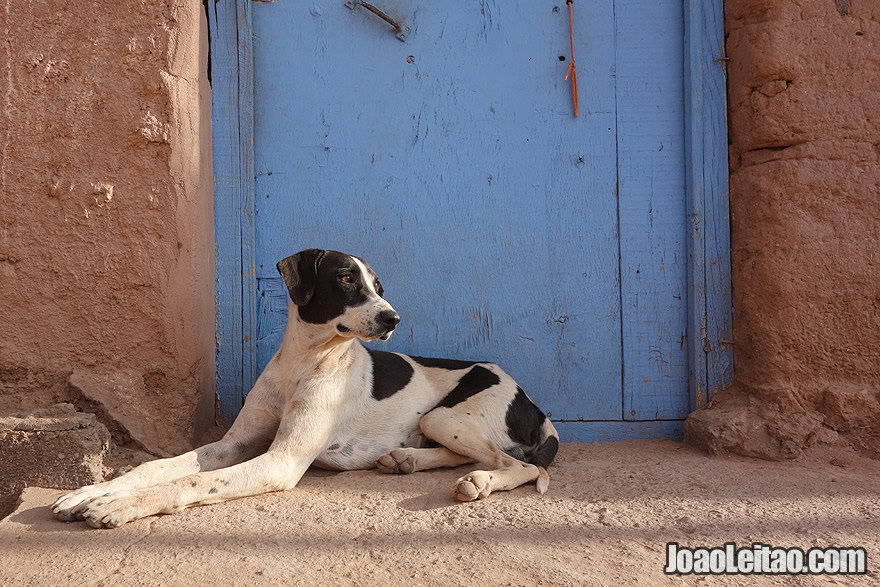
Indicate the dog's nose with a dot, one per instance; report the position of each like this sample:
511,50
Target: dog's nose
389,318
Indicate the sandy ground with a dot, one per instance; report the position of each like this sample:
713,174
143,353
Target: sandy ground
605,521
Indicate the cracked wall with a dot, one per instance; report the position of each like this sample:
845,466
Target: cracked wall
106,228
804,110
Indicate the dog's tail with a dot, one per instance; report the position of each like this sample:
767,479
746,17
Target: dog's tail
544,455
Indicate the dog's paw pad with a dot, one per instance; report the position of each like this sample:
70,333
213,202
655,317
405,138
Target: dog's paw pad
397,461
475,485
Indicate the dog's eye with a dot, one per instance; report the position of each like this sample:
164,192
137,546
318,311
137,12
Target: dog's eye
378,285
345,278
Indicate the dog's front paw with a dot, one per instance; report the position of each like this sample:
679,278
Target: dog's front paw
474,485
69,506
117,508
397,461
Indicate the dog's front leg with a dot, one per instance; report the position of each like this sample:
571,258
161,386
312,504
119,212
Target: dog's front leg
302,435
251,433
272,471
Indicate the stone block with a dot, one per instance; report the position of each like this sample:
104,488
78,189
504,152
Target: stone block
51,447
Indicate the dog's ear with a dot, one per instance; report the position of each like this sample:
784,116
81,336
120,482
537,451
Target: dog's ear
300,273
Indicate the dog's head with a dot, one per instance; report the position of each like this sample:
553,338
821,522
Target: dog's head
339,291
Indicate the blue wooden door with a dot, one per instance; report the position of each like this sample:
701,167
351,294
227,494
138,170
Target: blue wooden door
503,228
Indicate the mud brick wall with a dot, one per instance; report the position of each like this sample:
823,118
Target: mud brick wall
106,223
804,117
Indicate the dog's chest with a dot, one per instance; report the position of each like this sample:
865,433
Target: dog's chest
377,422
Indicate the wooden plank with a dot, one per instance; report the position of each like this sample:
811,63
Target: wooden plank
246,156
224,29
709,310
719,310
651,200
614,431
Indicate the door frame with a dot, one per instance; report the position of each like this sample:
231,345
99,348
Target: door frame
710,352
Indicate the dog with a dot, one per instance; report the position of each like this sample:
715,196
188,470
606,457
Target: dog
326,400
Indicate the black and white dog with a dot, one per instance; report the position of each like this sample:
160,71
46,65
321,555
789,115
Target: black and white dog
326,400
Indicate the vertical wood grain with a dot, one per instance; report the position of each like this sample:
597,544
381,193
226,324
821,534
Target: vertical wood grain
709,312
231,110
248,216
653,259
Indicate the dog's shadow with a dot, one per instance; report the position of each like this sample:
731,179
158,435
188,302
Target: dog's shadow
40,519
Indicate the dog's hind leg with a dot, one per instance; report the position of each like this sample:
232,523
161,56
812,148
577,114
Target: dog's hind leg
464,435
250,435
410,460
479,484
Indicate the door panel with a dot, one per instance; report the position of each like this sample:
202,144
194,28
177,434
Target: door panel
452,163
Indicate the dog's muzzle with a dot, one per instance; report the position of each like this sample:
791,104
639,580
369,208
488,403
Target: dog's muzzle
388,321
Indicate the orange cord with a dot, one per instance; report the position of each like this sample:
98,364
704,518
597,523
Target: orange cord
571,69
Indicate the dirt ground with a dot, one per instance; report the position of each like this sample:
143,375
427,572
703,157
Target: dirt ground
605,521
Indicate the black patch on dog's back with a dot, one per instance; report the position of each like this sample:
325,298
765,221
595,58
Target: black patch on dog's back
391,373
450,364
471,383
524,420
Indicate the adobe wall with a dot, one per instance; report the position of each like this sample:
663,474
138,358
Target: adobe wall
106,228
804,116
